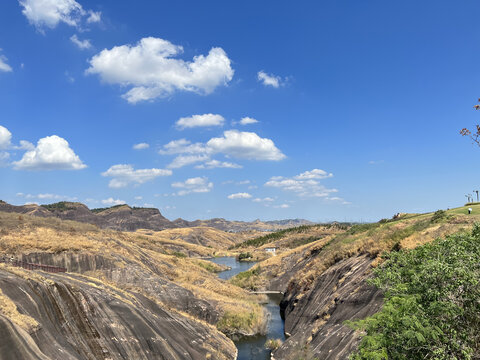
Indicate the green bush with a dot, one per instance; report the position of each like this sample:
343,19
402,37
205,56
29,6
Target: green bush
245,256
179,254
439,215
432,308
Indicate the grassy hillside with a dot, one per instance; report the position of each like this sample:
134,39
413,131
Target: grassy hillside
405,232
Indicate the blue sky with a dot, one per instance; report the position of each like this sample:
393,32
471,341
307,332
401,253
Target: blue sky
358,106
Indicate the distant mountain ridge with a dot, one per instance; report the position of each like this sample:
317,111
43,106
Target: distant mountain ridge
126,218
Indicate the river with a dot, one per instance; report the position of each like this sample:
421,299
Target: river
253,348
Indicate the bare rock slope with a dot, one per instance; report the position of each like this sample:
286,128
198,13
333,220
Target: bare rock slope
67,316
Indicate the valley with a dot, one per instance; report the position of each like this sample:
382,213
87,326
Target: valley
151,294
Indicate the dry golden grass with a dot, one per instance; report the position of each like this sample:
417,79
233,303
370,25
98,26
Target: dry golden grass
156,252
10,310
204,236
410,231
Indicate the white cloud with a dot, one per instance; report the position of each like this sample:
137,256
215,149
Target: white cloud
111,202
82,44
305,184
94,16
140,146
282,206
51,153
122,175
247,145
239,196
269,79
213,164
200,121
151,70
248,120
234,143
266,199
193,185
4,156
314,174
5,138
182,146
51,12
3,64
24,145
138,197
183,160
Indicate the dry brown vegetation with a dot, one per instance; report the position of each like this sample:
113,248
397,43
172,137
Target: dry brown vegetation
157,252
408,231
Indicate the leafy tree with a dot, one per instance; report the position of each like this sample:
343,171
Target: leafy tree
432,303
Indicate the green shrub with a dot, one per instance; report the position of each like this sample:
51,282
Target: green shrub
432,308
247,279
179,254
245,256
439,215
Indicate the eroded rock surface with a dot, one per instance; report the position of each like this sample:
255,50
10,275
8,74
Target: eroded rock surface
83,318
314,318
131,275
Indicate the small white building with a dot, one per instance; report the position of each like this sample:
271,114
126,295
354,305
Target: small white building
271,250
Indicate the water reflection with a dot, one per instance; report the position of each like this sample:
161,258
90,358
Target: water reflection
253,348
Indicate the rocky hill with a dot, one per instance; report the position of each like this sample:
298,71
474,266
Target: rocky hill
324,278
126,218
125,295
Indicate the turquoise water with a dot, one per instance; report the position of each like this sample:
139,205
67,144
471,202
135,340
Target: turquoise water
253,348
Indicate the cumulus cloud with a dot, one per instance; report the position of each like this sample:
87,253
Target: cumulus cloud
200,121
233,143
24,145
213,164
193,185
5,138
3,64
123,175
305,184
81,44
248,120
49,13
242,195
314,174
282,206
246,145
269,79
182,146
111,202
51,153
152,71
141,146
183,160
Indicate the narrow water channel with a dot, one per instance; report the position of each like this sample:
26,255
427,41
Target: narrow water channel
253,348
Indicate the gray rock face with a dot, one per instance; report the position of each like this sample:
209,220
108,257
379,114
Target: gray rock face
152,282
81,318
314,318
